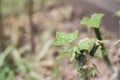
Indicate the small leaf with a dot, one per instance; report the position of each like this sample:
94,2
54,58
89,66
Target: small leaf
92,72
64,52
79,73
65,38
94,21
74,49
117,13
85,43
86,21
72,56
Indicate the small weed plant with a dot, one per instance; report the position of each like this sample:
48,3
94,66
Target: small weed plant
85,48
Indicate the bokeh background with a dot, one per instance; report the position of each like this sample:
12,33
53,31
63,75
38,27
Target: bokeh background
27,33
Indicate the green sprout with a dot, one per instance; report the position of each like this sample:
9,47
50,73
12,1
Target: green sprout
76,51
94,23
82,51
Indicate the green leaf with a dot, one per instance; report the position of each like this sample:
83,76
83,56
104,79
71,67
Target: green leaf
117,13
79,73
74,49
72,56
84,44
64,52
71,50
65,38
94,21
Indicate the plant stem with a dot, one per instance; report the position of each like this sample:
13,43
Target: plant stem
105,57
30,14
98,34
2,45
93,50
82,61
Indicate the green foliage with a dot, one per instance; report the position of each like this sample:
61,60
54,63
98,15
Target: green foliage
84,44
6,73
94,21
8,69
87,72
81,51
68,38
30,78
74,50
13,6
117,13
92,71
64,52
4,54
71,50
65,38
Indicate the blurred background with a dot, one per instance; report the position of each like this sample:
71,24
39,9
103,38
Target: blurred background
27,32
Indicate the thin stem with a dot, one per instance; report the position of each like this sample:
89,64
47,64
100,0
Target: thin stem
95,47
30,14
93,50
105,57
2,45
98,34
82,61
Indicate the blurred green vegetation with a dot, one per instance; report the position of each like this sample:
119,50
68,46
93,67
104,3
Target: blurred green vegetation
19,6
13,6
12,65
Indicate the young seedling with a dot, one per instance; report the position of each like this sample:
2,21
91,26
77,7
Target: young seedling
78,51
82,51
94,23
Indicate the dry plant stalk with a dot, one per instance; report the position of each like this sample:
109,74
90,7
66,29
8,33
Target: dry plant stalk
2,46
30,14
